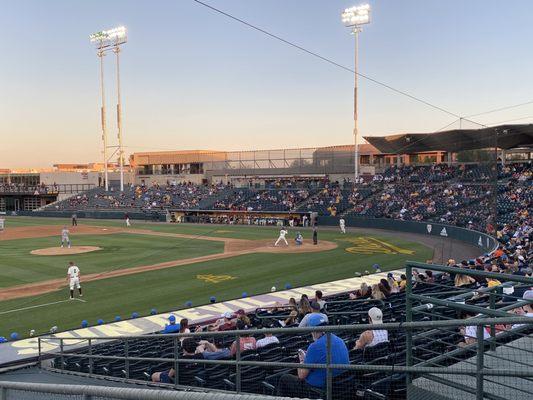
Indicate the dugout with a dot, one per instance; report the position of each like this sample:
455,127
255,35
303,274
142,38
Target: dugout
241,217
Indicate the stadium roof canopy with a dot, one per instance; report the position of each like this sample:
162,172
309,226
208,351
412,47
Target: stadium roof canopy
503,137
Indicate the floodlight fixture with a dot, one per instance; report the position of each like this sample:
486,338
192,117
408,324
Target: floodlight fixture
110,37
356,16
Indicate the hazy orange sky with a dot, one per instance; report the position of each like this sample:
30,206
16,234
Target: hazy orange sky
193,79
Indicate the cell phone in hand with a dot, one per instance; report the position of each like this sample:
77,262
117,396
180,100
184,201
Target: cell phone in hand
301,353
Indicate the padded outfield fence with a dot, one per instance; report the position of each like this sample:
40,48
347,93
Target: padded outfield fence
430,351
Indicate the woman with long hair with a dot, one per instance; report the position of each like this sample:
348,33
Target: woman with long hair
385,287
377,294
292,303
463,280
305,307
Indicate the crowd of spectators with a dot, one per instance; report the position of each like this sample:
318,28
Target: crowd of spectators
144,197
452,198
262,200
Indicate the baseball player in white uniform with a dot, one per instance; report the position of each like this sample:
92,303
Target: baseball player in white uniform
282,234
73,278
64,237
342,225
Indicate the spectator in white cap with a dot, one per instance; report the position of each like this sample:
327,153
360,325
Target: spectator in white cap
225,323
373,337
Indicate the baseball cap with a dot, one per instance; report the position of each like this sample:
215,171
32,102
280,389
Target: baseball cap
172,319
316,320
315,305
227,315
376,315
528,295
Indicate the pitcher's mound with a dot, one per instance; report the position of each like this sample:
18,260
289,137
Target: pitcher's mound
64,251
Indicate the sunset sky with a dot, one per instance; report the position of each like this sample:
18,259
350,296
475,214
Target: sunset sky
194,79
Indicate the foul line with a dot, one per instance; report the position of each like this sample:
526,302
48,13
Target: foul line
41,305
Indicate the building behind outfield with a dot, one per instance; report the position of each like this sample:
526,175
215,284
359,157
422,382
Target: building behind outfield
335,162
240,168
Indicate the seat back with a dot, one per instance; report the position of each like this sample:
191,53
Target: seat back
378,351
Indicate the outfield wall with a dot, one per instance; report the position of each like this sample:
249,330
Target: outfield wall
118,214
481,240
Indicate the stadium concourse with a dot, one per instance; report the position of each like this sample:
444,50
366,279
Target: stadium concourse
465,326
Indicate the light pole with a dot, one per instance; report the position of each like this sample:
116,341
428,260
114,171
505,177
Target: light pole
116,50
354,18
111,40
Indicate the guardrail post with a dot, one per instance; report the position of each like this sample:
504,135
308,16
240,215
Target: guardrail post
479,363
126,358
492,306
39,359
91,362
176,363
238,366
409,318
329,375
61,353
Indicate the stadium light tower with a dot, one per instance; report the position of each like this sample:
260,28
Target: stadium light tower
354,18
105,41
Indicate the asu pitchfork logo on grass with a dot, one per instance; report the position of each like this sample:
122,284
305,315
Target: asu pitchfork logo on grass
370,245
215,278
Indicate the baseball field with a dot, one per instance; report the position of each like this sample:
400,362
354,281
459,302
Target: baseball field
164,266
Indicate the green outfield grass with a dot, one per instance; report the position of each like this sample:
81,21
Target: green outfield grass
18,266
169,289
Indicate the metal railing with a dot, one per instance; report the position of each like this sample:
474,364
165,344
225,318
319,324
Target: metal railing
8,390
492,340
364,374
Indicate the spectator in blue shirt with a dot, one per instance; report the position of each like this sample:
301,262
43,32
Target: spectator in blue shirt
172,326
299,386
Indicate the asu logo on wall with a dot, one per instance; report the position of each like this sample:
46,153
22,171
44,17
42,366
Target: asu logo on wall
370,245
